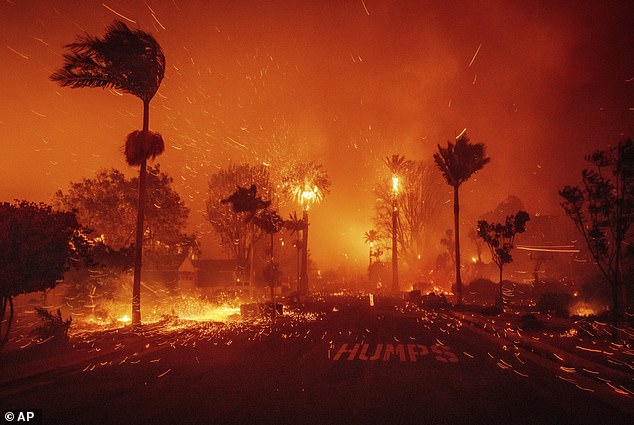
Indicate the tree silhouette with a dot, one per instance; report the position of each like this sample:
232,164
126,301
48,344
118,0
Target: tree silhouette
457,163
397,164
131,61
271,223
371,237
106,203
236,231
603,211
244,200
295,224
420,202
36,246
305,183
500,237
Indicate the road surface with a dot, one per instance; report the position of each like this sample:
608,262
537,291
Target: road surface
348,363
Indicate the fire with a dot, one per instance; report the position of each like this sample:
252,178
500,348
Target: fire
583,309
115,314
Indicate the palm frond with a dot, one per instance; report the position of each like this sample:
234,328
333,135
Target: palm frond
457,162
127,60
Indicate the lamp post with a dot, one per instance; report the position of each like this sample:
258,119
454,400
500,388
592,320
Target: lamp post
395,187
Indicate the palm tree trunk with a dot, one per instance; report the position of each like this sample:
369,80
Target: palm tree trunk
456,221
394,247
272,279
299,250
303,278
138,247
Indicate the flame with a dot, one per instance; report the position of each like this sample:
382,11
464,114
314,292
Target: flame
583,309
395,180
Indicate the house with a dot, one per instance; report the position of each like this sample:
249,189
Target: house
206,274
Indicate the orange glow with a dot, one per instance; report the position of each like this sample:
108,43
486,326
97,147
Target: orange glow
583,309
395,185
344,85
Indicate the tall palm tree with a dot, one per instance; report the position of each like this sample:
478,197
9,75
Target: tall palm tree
457,163
131,61
397,164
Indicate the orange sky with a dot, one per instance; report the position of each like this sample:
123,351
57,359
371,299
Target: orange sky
343,82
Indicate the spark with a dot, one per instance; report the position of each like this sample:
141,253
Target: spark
40,40
367,12
118,14
22,55
164,373
474,55
464,130
568,369
563,250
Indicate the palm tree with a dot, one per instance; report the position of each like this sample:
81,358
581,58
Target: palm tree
246,201
370,237
458,163
131,61
397,164
271,223
295,225
306,183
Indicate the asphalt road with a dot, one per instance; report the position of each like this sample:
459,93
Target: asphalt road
348,364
